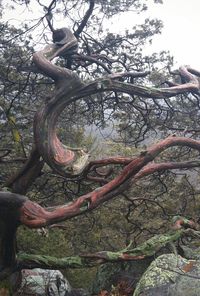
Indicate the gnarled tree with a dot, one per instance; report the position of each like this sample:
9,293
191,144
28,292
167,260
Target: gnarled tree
74,163
69,162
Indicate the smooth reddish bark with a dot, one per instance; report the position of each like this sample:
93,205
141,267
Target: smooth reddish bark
33,215
17,210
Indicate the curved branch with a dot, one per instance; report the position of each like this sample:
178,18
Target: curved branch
67,84
33,215
193,71
69,88
109,84
17,209
147,249
159,167
148,169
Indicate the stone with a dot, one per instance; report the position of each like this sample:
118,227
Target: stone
42,282
170,275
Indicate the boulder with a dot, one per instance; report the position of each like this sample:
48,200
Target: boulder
170,275
43,282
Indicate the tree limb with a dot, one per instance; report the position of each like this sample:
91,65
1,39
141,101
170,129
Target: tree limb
33,215
85,19
147,249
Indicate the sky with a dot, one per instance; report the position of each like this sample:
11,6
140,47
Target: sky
180,34
181,30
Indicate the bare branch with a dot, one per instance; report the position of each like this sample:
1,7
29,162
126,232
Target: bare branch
147,249
85,19
35,216
69,88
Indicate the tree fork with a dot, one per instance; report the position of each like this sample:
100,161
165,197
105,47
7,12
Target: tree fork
17,210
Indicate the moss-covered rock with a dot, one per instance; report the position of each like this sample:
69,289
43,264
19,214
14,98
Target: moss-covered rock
170,275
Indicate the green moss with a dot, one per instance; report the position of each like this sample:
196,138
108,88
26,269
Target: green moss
81,278
161,272
53,242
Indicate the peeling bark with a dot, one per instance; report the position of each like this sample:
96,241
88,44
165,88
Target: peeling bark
33,215
16,209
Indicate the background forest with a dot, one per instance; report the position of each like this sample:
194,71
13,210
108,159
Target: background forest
106,124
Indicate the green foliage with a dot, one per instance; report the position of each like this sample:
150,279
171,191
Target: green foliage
52,243
81,278
136,122
112,7
58,243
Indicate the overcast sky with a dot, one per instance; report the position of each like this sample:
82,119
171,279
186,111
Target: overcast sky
181,30
181,27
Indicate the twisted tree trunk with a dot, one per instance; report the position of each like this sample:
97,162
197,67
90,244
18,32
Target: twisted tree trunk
17,210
